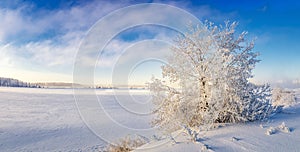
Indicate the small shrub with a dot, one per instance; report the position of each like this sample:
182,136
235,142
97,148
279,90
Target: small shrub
126,144
282,127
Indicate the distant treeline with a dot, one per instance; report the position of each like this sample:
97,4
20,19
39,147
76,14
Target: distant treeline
9,82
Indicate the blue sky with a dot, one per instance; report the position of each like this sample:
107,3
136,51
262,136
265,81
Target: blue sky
39,38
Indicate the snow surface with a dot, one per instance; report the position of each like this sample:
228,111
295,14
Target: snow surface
48,120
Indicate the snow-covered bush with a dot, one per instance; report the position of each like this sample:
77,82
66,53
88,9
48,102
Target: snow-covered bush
282,127
283,97
126,144
211,66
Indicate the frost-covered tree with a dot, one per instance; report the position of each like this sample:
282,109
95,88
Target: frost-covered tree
211,66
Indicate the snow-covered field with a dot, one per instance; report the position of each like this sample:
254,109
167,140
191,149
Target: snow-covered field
48,120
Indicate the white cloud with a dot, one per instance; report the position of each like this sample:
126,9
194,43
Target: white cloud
67,27
71,24
20,21
6,59
11,23
45,53
34,76
49,54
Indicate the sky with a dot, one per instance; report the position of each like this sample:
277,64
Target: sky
39,39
